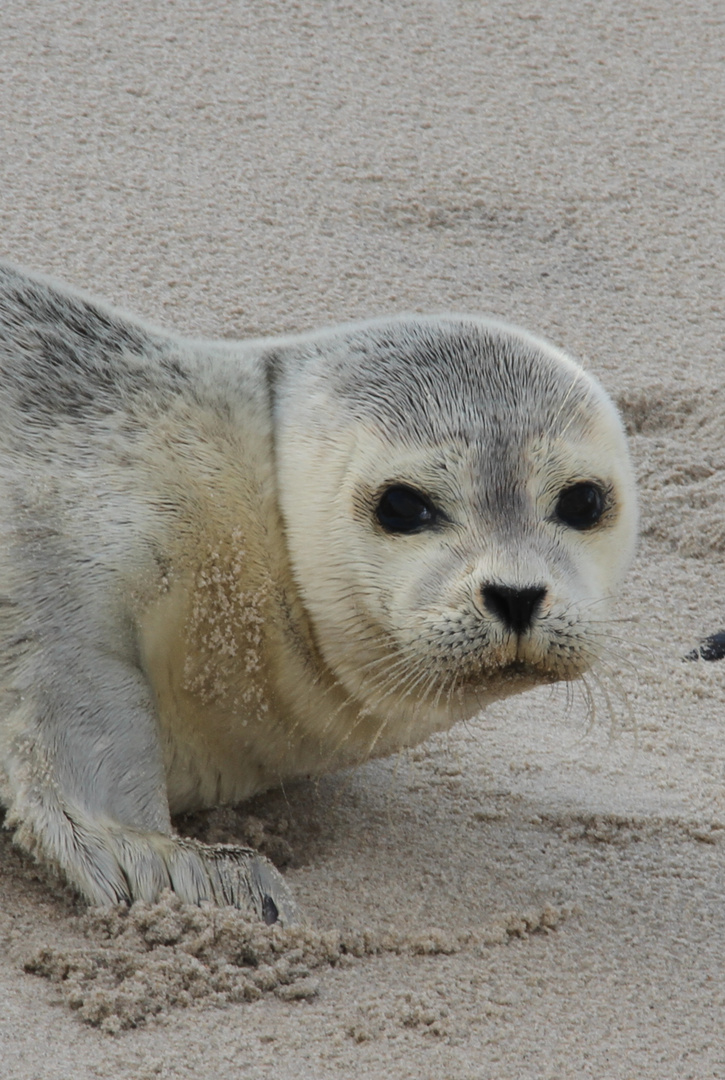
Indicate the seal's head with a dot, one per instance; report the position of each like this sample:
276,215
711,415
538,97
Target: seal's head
459,508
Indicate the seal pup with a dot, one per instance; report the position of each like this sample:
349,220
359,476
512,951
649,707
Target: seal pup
225,565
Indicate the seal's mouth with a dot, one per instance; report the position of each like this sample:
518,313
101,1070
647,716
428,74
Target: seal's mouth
520,671
516,675
516,669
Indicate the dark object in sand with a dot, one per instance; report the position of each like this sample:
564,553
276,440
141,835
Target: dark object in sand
711,648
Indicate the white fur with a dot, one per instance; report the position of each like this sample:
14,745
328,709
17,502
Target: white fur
196,599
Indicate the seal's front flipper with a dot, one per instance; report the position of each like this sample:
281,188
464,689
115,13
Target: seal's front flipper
85,787
241,878
711,648
110,864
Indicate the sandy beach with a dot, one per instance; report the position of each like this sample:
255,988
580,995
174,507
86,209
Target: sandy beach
539,893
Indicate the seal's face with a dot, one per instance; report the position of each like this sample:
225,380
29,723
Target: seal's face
459,509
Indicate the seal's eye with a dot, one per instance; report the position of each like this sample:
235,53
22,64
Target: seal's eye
402,509
580,506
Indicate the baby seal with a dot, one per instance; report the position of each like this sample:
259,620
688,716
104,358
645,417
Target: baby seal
226,565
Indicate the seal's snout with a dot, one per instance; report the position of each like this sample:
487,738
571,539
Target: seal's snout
515,608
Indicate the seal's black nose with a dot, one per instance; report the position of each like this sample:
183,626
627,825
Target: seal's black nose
515,608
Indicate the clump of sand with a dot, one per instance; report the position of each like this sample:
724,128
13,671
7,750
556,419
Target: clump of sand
144,960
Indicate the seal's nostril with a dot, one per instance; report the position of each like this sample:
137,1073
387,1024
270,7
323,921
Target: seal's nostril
515,608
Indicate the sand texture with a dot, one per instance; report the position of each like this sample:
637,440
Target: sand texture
539,893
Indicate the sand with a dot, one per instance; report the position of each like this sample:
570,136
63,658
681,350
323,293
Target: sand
539,893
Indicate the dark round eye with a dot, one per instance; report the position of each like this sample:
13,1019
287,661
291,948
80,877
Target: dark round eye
580,506
402,509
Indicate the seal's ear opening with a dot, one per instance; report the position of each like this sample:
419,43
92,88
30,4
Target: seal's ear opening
711,648
270,913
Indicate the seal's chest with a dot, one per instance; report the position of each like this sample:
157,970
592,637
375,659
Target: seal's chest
203,652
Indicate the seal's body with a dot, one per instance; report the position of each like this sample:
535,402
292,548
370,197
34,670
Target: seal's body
224,565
